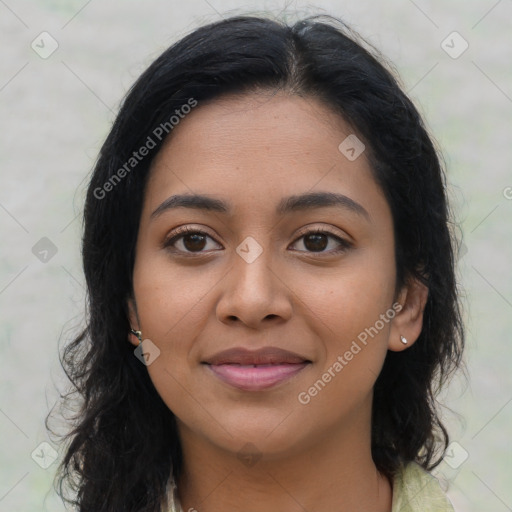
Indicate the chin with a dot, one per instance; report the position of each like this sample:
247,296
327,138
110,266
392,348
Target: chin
273,435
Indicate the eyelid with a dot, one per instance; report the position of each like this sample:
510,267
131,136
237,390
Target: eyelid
307,230
187,228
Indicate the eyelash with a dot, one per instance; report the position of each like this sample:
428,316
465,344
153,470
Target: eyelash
187,230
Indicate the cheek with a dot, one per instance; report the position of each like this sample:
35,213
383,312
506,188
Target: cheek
351,313
171,300
173,307
354,331
345,302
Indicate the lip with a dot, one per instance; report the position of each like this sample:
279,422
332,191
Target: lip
255,370
265,355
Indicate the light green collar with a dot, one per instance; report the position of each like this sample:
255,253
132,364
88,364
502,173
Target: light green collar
414,490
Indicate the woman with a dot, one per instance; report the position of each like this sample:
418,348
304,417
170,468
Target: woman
272,299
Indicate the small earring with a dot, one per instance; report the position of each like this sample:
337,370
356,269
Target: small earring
403,340
138,334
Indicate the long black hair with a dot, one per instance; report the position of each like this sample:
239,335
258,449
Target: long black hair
123,448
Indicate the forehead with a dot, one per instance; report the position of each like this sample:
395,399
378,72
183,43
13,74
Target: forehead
273,124
260,147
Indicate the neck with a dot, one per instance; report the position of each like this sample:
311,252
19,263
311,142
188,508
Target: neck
335,473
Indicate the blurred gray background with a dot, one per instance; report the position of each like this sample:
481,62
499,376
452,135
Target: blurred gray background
64,67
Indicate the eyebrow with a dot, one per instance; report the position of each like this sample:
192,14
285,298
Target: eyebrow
302,202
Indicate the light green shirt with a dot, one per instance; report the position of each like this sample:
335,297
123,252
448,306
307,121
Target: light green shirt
414,490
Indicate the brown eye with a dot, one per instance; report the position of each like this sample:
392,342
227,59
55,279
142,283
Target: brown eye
188,241
316,242
194,242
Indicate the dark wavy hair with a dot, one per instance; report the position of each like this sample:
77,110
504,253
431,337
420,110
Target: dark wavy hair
123,450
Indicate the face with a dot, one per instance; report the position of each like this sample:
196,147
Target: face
289,249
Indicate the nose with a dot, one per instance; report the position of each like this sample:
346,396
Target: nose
254,294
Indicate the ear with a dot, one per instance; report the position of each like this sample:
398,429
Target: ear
134,321
408,322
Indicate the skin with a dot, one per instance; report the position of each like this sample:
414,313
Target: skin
251,151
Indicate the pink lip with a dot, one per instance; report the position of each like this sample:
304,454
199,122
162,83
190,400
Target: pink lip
256,377
254,370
